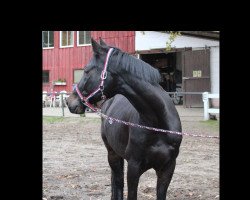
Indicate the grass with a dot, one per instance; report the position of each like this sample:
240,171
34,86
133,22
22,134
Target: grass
211,123
51,120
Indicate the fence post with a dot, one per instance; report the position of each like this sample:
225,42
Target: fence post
62,105
206,105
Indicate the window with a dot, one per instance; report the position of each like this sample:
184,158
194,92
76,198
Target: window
48,39
66,38
83,38
45,76
78,75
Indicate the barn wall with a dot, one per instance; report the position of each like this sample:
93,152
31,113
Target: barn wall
62,61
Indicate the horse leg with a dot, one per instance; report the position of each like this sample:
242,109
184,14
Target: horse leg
133,175
117,176
164,176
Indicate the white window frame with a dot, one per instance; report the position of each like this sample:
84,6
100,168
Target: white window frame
80,45
61,40
53,44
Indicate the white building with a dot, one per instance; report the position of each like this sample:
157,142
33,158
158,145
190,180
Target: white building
194,57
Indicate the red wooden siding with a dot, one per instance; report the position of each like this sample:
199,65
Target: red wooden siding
61,62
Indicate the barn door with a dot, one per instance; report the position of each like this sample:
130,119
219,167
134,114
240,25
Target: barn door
196,76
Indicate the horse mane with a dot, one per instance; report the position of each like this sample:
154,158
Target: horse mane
137,67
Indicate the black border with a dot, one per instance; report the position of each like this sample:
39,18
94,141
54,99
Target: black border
25,142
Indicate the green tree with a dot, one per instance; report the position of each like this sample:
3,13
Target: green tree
172,37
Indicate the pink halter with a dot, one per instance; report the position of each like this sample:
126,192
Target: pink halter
99,88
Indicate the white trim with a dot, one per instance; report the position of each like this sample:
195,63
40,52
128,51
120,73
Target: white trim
48,47
67,46
61,40
59,83
81,45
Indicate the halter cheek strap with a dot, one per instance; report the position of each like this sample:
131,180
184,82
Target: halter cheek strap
99,88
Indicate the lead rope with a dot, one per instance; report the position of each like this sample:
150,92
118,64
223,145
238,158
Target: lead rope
111,120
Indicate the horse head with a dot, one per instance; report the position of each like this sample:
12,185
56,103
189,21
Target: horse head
96,80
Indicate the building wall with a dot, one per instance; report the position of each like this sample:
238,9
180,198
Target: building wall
62,61
156,40
215,72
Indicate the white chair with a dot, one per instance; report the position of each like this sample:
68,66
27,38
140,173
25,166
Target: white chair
62,98
45,98
52,99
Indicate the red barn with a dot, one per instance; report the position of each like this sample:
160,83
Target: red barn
65,53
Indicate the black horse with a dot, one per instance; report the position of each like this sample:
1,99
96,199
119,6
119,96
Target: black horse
133,94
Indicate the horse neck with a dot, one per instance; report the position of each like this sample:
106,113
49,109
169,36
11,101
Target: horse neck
145,97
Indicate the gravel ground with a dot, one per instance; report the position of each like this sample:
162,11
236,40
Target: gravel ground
75,163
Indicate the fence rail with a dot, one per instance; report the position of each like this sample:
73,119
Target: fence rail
205,97
58,102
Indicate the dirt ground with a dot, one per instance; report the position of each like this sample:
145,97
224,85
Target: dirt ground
75,165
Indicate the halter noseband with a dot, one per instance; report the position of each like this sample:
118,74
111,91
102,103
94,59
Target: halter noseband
99,88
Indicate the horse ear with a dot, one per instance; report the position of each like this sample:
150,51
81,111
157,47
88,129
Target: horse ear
97,48
103,43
